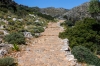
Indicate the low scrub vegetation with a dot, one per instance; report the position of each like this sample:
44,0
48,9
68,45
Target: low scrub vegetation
84,55
15,38
7,62
85,33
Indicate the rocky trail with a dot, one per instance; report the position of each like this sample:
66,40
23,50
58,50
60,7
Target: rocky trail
45,50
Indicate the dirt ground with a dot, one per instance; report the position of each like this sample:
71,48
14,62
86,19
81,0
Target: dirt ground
45,50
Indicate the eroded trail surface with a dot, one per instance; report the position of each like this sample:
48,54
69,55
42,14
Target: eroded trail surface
45,50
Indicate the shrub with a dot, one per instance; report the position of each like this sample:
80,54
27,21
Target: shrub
83,54
7,62
85,33
13,38
38,23
38,29
15,47
69,23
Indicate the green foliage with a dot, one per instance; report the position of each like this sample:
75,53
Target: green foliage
83,54
48,17
67,23
15,38
15,47
14,26
38,29
94,6
7,62
85,33
65,17
38,23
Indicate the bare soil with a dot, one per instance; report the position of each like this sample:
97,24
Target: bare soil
45,50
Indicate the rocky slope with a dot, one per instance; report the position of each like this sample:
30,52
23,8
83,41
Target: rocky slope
55,12
78,12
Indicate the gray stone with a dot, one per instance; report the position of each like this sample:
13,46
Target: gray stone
7,47
37,34
27,34
3,52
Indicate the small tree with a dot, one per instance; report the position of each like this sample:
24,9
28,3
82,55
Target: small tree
13,38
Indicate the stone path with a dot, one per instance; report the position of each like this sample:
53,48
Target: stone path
45,50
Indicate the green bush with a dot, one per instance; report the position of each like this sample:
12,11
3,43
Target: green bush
38,29
38,23
7,62
85,33
15,38
83,54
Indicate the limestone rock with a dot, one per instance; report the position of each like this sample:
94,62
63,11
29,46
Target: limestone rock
27,34
5,49
3,52
78,12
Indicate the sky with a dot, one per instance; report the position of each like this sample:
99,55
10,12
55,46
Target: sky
68,4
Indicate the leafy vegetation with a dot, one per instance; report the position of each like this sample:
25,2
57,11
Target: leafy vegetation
15,38
19,18
45,16
68,23
85,33
7,62
15,47
94,8
84,55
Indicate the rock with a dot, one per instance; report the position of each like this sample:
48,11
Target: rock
66,41
2,26
9,16
66,45
70,57
64,48
37,21
7,47
37,34
44,27
27,34
20,20
14,19
3,52
5,32
32,15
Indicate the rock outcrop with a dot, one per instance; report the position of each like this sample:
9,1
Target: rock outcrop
78,12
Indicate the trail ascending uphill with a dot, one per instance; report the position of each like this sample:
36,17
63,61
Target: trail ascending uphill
45,50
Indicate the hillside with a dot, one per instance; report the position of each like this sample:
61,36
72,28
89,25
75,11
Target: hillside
55,12
15,17
78,12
